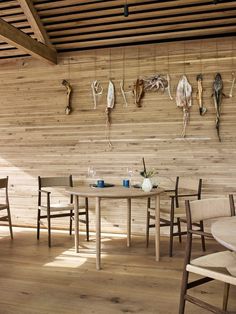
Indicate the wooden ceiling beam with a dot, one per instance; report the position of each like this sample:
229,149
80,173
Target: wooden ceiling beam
75,25
8,4
135,39
14,18
5,46
88,18
110,23
74,19
11,53
83,5
104,6
9,11
136,12
34,21
144,31
20,40
214,16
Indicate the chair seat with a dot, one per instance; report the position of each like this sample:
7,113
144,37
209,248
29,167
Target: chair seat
220,266
58,207
3,206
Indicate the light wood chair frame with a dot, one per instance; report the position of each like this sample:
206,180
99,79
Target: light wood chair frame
50,215
174,204
6,206
188,285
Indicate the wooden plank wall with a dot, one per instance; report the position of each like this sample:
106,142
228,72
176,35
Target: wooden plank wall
37,138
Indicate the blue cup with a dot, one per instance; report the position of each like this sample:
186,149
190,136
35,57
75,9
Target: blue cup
100,183
126,183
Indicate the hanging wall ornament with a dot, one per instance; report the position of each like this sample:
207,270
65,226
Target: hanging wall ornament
217,96
202,109
97,91
138,87
123,92
138,92
168,75
184,100
68,87
199,78
110,106
122,83
232,85
158,82
233,73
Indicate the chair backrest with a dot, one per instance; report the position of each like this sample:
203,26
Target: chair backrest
3,183
55,181
192,190
209,208
168,183
52,182
189,183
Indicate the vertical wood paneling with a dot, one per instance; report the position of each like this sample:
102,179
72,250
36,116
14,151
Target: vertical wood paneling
37,138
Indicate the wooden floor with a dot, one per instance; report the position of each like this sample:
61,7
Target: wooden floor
35,279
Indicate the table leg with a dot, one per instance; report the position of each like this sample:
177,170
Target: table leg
98,233
76,216
128,222
157,227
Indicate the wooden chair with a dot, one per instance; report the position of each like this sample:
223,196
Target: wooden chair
173,214
216,266
56,210
5,204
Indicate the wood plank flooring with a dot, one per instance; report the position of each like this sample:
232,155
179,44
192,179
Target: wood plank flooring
35,279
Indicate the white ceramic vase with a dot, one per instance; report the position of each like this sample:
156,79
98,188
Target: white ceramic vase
147,185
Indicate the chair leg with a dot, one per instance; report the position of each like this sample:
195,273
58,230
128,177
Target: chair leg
171,238
183,292
9,221
71,217
87,218
202,237
49,230
147,228
226,296
179,230
171,229
38,224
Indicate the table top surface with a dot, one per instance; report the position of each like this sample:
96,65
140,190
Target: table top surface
224,231
112,192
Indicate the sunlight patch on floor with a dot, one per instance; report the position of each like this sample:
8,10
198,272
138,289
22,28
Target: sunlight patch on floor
67,261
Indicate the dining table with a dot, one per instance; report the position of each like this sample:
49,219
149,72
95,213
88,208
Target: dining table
224,231
114,192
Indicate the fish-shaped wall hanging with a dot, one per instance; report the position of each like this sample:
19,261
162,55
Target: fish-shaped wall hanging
184,100
217,97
